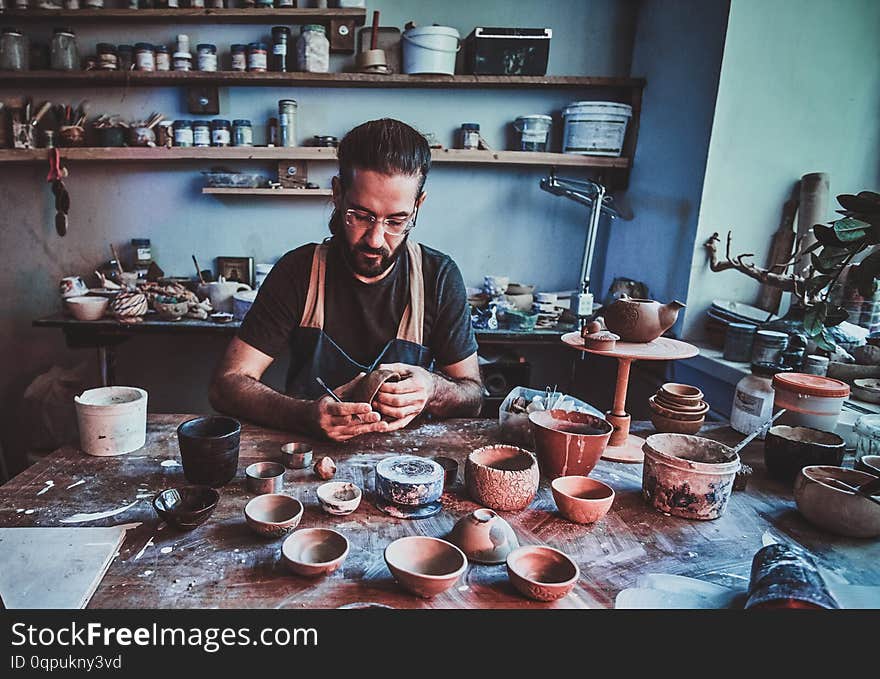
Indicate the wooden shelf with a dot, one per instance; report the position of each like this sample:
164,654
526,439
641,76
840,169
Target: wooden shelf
290,193
297,79
259,153
187,15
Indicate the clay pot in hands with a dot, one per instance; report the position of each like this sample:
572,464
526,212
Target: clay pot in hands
640,320
365,389
484,537
502,477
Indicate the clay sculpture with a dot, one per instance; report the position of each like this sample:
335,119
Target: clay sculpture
640,320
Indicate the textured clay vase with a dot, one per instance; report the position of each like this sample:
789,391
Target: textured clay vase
640,320
484,537
502,477
568,443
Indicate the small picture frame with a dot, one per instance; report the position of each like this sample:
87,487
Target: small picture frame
239,269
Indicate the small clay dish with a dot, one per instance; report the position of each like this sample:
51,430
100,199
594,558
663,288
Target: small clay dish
423,565
581,499
222,317
542,573
832,507
366,388
450,470
186,507
314,551
681,393
601,341
296,455
867,389
869,464
678,414
265,477
667,425
661,400
273,515
787,450
339,497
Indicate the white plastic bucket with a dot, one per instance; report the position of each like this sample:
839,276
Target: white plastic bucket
595,128
430,49
241,303
534,131
112,420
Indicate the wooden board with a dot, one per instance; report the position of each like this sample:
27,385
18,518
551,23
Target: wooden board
55,568
277,193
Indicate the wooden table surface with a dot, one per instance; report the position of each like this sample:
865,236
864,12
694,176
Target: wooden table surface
223,564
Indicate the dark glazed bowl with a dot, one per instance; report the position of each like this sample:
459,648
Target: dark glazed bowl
787,450
186,507
209,449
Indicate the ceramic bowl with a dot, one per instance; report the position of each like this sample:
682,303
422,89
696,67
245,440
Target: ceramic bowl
835,509
787,450
209,449
296,455
542,573
869,464
423,565
484,537
171,311
568,442
697,407
186,507
676,414
502,477
365,389
681,393
867,389
582,499
339,497
265,477
273,515
667,425
87,308
314,551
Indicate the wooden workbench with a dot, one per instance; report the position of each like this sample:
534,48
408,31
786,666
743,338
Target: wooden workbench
223,564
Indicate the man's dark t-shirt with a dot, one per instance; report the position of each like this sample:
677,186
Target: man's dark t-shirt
361,318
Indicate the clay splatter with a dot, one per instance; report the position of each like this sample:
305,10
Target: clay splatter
165,550
83,517
144,549
170,463
77,483
29,511
48,485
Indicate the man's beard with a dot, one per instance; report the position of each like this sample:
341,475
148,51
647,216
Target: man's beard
369,267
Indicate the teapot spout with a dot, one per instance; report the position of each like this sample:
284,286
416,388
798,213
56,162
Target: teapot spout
669,313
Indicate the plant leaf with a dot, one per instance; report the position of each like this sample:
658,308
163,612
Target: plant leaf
824,341
814,318
829,259
835,316
826,235
816,283
849,229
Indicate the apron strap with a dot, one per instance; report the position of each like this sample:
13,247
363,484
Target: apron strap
412,322
313,312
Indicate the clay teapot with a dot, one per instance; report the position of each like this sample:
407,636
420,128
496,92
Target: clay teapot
484,537
640,320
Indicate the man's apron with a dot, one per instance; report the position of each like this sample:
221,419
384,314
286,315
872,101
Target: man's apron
327,360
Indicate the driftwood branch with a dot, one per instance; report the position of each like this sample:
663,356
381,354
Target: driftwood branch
786,282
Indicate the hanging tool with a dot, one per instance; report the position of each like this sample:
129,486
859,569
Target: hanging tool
62,197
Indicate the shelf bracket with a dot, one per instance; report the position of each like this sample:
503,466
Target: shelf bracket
293,174
203,99
342,35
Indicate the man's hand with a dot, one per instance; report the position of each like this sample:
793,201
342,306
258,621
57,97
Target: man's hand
342,421
403,400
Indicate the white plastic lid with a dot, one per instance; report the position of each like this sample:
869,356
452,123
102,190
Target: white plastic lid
432,30
598,106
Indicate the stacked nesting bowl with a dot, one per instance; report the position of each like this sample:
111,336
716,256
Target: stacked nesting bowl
678,409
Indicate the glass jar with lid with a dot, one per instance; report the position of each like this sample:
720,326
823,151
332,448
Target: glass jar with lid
183,133
287,122
239,57
107,58
470,136
221,132
163,58
207,57
768,345
257,57
201,133
313,49
145,56
15,50
280,39
242,133
63,51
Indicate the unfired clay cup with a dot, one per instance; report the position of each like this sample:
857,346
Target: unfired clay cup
423,565
273,515
542,573
314,551
582,499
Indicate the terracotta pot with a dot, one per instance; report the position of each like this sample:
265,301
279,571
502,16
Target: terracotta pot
835,509
502,477
640,320
542,573
484,537
314,551
688,476
423,565
668,425
568,443
683,393
273,515
581,499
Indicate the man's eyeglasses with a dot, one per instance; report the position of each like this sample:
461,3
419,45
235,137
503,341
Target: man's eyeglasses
358,219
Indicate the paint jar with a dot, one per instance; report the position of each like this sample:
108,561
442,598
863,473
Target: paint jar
207,57
239,57
163,58
768,346
533,132
867,433
182,61
265,4
197,4
221,132
242,133
313,49
470,136
95,4
107,58
280,39
738,341
753,400
126,57
63,52
595,128
201,133
183,42
144,57
284,3
257,61
815,365
811,400
287,122
183,133
143,255
15,50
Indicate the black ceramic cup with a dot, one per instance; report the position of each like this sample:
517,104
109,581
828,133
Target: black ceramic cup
209,449
787,450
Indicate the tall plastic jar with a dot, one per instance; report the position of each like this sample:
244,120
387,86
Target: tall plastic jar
753,400
533,132
313,49
811,400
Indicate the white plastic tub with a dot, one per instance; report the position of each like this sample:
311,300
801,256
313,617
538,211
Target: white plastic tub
533,132
112,420
595,128
430,49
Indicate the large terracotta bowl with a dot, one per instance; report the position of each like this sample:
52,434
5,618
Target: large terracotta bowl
581,499
502,477
542,573
423,565
834,508
568,443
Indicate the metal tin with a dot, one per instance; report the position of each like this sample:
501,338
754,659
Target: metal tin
265,477
738,341
768,346
296,455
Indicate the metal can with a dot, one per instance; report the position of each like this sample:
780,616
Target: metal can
15,50
242,133
63,52
239,57
183,133
144,57
163,58
287,122
201,133
207,57
257,57
221,132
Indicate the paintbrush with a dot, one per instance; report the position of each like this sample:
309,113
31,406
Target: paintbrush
198,270
751,437
332,394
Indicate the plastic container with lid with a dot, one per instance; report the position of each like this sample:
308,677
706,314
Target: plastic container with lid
470,136
867,433
768,345
738,342
430,49
595,128
533,132
753,400
811,400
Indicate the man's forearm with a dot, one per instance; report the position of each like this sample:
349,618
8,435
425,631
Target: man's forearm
455,397
245,397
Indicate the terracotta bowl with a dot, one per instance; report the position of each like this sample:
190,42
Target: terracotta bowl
502,477
423,565
676,414
273,515
339,497
869,464
365,389
186,507
314,551
87,308
696,407
542,573
667,425
835,509
681,393
787,450
582,499
568,443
